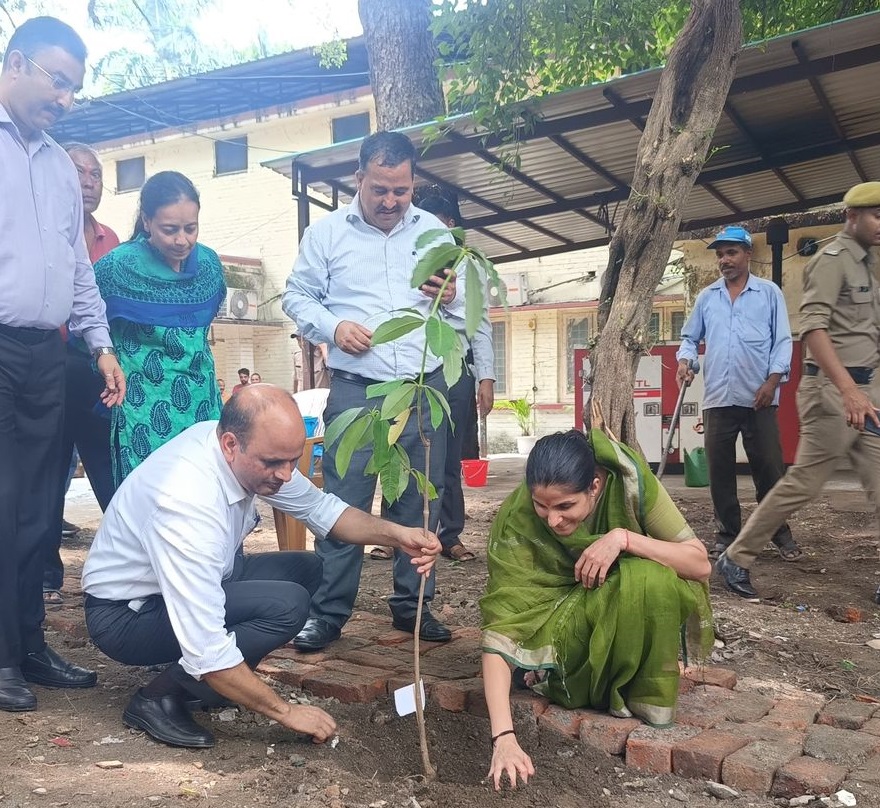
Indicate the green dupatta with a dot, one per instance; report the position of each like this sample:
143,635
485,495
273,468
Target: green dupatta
612,648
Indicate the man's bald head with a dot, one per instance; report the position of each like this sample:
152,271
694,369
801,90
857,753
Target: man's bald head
259,406
262,437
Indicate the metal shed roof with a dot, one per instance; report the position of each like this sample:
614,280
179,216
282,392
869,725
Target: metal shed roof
801,125
282,80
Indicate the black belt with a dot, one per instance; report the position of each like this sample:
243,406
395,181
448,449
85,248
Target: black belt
354,377
859,375
26,335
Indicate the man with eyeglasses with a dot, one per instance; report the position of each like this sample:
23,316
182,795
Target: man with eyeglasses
47,280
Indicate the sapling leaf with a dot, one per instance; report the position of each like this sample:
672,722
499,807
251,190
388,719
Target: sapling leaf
442,337
395,329
452,364
356,437
405,469
458,234
437,258
389,477
381,451
398,426
438,405
422,481
474,304
339,424
430,235
383,388
398,400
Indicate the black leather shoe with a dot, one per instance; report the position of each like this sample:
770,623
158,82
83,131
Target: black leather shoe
50,670
315,635
735,578
432,629
167,720
14,695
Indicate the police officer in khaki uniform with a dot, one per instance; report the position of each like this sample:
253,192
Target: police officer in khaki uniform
840,388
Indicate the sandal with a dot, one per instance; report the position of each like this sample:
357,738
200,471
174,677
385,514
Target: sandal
52,599
788,548
458,552
382,554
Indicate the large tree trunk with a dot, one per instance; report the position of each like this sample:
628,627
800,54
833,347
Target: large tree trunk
673,148
402,53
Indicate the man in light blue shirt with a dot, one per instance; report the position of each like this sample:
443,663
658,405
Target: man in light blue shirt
744,323
353,273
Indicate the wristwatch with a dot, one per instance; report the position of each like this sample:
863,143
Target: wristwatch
104,351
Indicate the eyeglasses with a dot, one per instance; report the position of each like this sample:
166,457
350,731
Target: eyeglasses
59,83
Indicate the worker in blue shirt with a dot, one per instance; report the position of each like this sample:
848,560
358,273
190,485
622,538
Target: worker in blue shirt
744,323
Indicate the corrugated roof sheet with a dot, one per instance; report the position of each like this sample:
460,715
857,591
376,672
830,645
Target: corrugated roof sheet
801,125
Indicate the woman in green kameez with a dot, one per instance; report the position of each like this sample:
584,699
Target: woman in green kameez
593,574
162,289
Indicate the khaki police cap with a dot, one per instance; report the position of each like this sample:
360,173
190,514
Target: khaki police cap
864,195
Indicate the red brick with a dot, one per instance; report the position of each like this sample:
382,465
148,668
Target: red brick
701,756
605,732
752,768
872,727
346,682
685,685
796,713
311,658
846,714
453,695
841,746
747,706
399,680
869,772
525,702
650,749
385,659
760,731
703,707
286,671
807,775
559,719
476,700
394,637
710,675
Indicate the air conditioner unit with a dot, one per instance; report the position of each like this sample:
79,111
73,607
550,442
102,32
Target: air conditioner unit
239,304
514,291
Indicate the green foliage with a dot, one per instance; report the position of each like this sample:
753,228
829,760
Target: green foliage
402,399
505,54
522,411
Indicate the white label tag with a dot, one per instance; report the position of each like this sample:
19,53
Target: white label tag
405,698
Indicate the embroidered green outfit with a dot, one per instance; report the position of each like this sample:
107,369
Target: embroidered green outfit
614,647
159,321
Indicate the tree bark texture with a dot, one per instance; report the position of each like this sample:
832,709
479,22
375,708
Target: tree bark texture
401,46
671,153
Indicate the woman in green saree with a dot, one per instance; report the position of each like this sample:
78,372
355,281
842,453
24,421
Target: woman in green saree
593,573
162,289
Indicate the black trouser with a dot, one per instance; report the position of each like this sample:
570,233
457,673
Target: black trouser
31,413
267,603
89,431
760,434
463,407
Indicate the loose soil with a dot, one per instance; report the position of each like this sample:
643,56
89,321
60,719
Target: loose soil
795,636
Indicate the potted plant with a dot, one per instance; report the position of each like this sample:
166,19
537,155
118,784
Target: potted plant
522,411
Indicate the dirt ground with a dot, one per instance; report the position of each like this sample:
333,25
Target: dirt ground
795,636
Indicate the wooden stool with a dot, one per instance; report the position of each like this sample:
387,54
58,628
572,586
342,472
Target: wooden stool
291,532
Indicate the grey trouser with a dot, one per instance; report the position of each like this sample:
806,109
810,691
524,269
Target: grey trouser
335,597
825,439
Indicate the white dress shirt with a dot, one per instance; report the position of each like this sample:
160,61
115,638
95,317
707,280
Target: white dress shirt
45,271
173,528
349,270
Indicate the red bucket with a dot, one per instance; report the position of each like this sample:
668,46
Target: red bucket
475,472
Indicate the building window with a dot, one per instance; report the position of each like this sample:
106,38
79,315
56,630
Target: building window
577,335
230,156
130,174
499,346
678,320
654,327
351,127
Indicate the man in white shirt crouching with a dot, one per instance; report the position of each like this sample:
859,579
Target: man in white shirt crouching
164,581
